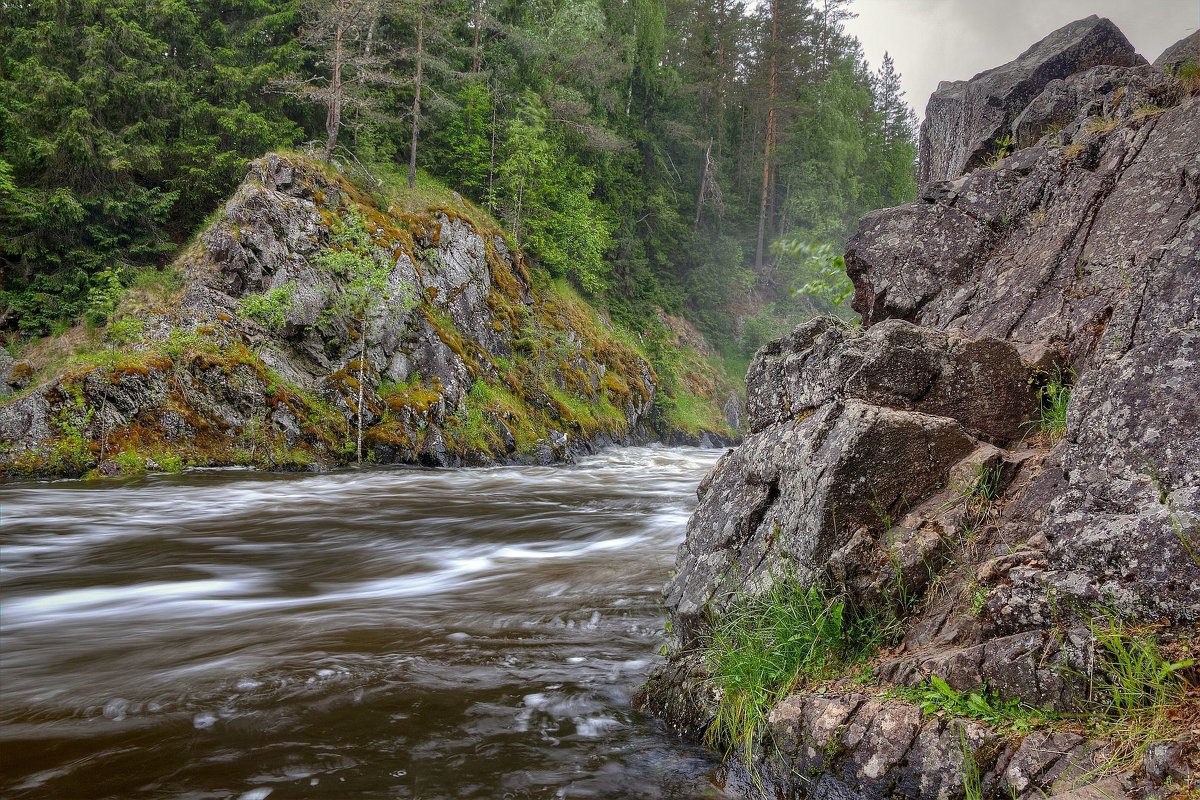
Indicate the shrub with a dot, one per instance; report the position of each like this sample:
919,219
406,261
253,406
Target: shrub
270,309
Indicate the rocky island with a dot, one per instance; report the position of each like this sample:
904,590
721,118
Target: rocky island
431,346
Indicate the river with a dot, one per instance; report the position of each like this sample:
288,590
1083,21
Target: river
358,634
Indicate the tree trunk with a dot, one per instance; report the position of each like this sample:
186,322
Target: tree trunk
416,111
491,198
703,186
475,54
768,138
333,113
720,77
362,362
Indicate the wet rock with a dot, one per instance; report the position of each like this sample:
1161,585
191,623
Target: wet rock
964,119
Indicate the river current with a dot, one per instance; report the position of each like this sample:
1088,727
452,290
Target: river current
387,633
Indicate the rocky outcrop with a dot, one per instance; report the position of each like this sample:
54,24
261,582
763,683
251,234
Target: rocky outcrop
965,119
903,467
460,358
1185,51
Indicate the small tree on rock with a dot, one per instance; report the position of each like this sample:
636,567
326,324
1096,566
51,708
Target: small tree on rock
342,35
361,271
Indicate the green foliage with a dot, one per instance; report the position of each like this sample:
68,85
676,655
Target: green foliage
768,645
935,696
1004,148
104,295
271,308
1054,396
123,123
361,268
1135,678
816,274
124,332
547,200
594,128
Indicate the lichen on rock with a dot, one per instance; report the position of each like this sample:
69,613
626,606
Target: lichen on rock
903,466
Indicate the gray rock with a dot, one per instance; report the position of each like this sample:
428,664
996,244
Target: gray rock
964,119
1078,255
1100,95
6,365
1182,52
457,301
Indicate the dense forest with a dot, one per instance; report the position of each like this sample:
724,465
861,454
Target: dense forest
706,157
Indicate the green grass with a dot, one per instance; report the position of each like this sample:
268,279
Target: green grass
978,495
769,645
427,192
972,780
1136,678
1141,694
1054,396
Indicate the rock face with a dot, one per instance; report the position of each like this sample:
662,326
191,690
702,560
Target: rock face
1182,52
466,361
902,466
964,119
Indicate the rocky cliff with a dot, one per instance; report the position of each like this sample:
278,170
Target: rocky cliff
998,473
271,353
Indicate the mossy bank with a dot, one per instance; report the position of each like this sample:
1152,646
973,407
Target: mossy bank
319,320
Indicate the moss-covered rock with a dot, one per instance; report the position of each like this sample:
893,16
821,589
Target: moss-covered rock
463,354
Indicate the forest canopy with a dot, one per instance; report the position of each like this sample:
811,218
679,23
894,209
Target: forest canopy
705,157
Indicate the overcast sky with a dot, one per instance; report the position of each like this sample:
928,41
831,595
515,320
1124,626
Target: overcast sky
937,40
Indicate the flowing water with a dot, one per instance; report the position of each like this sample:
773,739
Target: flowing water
376,633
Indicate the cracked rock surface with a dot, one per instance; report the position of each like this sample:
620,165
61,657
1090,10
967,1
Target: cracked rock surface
1076,258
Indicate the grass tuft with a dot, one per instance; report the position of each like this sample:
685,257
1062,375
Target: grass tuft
768,646
1142,693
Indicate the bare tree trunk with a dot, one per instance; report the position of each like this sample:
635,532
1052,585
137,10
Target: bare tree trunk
492,163
768,139
703,186
720,77
416,111
333,114
362,362
475,54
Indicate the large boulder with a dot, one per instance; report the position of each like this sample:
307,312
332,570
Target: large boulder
850,429
1073,264
964,119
